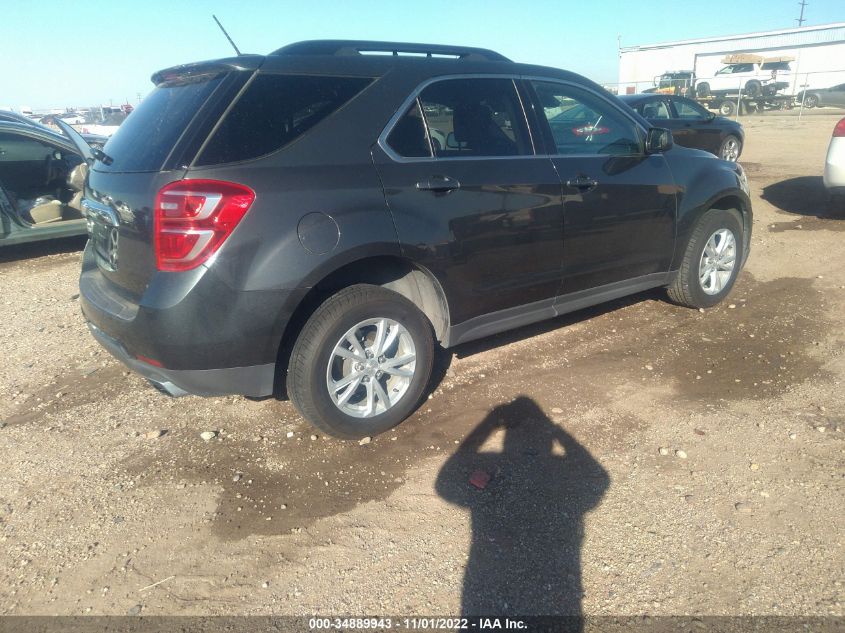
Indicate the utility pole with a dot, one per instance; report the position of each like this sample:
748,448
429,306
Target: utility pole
803,4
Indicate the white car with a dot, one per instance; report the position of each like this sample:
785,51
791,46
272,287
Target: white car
753,74
73,119
106,127
834,165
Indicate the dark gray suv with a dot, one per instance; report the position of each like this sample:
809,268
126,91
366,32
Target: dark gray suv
316,220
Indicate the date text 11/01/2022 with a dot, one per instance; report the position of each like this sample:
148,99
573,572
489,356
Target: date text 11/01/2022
479,623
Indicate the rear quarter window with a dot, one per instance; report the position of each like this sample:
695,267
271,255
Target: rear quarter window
275,110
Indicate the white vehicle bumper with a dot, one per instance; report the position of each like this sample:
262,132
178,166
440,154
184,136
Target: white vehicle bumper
834,166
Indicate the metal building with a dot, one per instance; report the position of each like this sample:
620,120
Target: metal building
818,52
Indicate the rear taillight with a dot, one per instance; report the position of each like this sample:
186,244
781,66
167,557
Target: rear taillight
194,217
839,130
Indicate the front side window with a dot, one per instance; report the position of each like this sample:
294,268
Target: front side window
654,110
475,117
583,123
690,110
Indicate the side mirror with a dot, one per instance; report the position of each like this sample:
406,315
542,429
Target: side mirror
658,140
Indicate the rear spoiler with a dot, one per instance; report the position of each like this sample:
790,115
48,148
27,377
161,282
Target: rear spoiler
198,69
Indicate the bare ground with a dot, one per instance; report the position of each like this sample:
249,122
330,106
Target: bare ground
583,513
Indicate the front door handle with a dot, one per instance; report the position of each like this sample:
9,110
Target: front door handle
438,184
582,183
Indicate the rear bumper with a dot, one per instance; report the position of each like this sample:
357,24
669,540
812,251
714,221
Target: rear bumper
203,336
256,380
834,166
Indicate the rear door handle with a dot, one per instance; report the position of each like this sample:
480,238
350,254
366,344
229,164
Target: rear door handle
582,183
438,184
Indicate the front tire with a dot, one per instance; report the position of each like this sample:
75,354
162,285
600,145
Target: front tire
730,149
811,101
711,261
361,363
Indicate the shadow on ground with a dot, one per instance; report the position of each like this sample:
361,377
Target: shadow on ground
527,484
807,197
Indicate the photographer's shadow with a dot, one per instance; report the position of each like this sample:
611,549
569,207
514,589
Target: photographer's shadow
528,520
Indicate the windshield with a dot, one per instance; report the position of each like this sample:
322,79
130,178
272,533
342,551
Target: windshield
149,134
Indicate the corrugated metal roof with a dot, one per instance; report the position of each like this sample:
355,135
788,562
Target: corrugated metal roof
785,37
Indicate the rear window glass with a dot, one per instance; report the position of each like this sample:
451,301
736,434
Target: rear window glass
144,140
275,110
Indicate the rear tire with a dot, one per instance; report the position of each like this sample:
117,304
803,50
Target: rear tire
753,89
387,328
727,108
700,283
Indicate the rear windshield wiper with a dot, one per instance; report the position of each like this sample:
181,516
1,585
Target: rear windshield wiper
101,156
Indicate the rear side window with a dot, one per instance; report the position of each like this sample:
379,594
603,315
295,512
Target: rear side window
475,117
148,135
274,111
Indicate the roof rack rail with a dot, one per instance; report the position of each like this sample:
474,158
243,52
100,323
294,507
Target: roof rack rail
342,48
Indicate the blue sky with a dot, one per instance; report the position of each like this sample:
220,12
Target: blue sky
106,51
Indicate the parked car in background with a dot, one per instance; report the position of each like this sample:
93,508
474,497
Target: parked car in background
754,75
691,123
823,97
41,178
108,126
72,119
94,140
676,82
834,165
289,217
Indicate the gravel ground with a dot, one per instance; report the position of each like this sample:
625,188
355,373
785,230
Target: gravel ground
642,458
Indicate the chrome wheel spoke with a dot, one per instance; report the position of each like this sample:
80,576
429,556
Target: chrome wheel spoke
356,345
350,390
391,338
381,330
715,282
395,363
371,400
340,384
346,353
382,394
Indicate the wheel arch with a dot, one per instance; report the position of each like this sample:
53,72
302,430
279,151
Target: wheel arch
393,272
729,199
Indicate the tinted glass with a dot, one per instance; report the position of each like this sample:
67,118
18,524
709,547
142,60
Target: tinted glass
148,135
475,117
582,123
690,110
408,136
654,110
275,110
15,148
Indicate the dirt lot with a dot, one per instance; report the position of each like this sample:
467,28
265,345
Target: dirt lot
743,515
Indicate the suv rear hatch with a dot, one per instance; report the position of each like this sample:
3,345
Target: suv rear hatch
150,149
